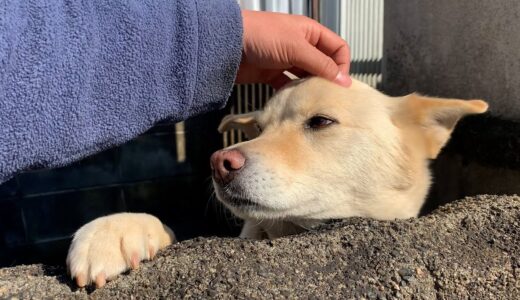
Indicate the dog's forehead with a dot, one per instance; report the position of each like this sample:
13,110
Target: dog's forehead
317,95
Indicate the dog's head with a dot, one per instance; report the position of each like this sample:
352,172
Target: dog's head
320,151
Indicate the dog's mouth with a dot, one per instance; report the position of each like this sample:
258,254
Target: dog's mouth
239,202
227,196
234,197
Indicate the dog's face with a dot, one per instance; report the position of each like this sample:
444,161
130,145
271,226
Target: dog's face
321,151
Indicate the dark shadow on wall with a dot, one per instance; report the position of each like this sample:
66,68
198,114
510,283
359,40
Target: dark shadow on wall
482,157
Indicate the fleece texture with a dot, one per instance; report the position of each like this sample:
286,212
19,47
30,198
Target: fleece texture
78,77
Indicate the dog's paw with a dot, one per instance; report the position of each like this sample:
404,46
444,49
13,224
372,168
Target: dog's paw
108,246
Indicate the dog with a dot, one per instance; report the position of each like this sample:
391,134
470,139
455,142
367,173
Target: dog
318,151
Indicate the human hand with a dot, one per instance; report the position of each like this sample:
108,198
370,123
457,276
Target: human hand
275,42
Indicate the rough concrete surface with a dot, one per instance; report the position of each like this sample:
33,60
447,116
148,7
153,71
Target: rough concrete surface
467,249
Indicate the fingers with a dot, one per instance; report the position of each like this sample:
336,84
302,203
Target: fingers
314,61
279,81
343,78
298,72
326,55
332,45
273,42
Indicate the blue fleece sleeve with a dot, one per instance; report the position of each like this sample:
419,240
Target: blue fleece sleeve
78,77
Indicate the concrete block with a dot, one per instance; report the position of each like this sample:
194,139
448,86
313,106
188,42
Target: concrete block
468,249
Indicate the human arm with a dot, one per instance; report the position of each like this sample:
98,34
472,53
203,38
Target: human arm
80,77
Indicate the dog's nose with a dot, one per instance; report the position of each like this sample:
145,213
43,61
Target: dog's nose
225,164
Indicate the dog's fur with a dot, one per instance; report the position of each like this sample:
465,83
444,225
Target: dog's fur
317,151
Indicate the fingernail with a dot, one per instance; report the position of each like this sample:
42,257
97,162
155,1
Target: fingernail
343,79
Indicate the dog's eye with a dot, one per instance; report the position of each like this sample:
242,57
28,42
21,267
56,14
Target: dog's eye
318,122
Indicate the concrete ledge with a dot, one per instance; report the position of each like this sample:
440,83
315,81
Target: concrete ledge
467,248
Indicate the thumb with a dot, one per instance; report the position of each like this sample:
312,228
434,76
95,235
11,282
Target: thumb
312,60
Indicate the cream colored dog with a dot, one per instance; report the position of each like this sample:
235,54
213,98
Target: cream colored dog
317,151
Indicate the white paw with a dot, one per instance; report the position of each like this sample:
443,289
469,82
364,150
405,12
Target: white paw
108,246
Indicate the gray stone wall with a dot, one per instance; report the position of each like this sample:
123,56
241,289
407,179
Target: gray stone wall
462,48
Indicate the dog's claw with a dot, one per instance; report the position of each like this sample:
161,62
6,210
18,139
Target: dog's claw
81,280
134,263
100,280
151,252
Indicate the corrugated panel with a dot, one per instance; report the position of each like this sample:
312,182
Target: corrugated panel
297,7
359,22
362,26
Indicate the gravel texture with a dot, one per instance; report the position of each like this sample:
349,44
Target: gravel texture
467,249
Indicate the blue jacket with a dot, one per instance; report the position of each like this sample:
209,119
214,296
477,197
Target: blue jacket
78,77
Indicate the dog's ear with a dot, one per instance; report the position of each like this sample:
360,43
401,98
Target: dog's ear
436,118
244,122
